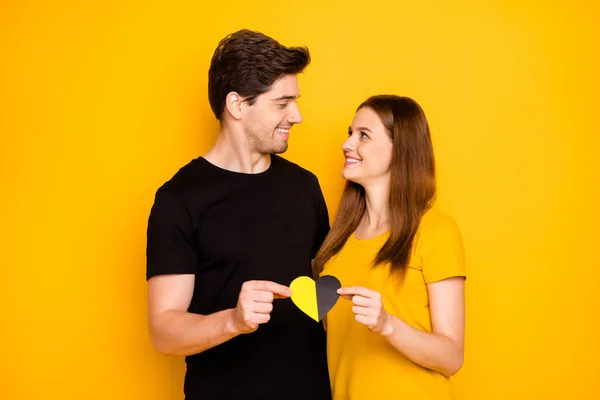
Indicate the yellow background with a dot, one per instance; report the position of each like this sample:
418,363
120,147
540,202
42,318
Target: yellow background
102,101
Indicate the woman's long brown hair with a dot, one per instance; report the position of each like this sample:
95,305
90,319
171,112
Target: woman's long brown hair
412,189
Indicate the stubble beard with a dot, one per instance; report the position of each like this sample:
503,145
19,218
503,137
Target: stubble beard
266,146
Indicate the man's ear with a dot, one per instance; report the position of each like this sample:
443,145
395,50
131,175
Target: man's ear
233,105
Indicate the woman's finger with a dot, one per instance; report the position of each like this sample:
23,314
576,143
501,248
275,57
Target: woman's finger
357,290
364,311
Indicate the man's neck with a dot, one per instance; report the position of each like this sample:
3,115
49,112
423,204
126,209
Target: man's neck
233,152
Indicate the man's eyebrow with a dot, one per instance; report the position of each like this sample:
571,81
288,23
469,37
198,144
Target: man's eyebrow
286,98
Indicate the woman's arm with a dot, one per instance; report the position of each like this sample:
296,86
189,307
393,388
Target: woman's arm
441,350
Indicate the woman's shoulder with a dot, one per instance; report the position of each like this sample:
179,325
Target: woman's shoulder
437,225
435,218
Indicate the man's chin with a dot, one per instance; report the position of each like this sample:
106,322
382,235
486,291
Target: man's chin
273,148
279,149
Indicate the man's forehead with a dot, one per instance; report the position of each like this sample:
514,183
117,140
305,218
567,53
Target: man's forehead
286,86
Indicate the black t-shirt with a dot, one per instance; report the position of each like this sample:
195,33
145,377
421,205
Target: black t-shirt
227,228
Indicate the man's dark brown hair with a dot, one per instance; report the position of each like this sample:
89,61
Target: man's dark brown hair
248,63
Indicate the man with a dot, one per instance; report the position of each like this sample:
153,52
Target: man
229,232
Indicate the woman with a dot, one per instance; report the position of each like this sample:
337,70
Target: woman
399,333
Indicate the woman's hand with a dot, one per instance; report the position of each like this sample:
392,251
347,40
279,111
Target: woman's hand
368,309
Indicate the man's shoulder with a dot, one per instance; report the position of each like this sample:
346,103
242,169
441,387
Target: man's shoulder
186,179
293,169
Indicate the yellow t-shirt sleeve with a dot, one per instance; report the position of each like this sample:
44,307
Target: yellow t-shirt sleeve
441,250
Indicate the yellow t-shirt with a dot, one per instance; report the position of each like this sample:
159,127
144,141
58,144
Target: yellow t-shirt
362,364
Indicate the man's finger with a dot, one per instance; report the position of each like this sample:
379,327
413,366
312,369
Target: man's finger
262,296
262,318
280,291
262,308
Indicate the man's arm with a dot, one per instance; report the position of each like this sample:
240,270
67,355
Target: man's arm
176,332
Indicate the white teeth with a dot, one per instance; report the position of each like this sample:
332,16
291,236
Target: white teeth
282,130
352,160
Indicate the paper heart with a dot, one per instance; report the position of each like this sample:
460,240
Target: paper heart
315,299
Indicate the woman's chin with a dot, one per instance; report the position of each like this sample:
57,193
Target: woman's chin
349,176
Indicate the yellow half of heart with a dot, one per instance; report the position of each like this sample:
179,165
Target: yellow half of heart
304,295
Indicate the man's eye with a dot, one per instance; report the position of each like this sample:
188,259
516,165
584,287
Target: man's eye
282,105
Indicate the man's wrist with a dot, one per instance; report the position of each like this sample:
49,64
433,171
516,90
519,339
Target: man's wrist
230,327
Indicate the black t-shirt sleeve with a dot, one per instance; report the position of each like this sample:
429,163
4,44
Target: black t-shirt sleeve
322,220
170,247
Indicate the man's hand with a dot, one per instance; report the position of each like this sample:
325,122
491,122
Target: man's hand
255,304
